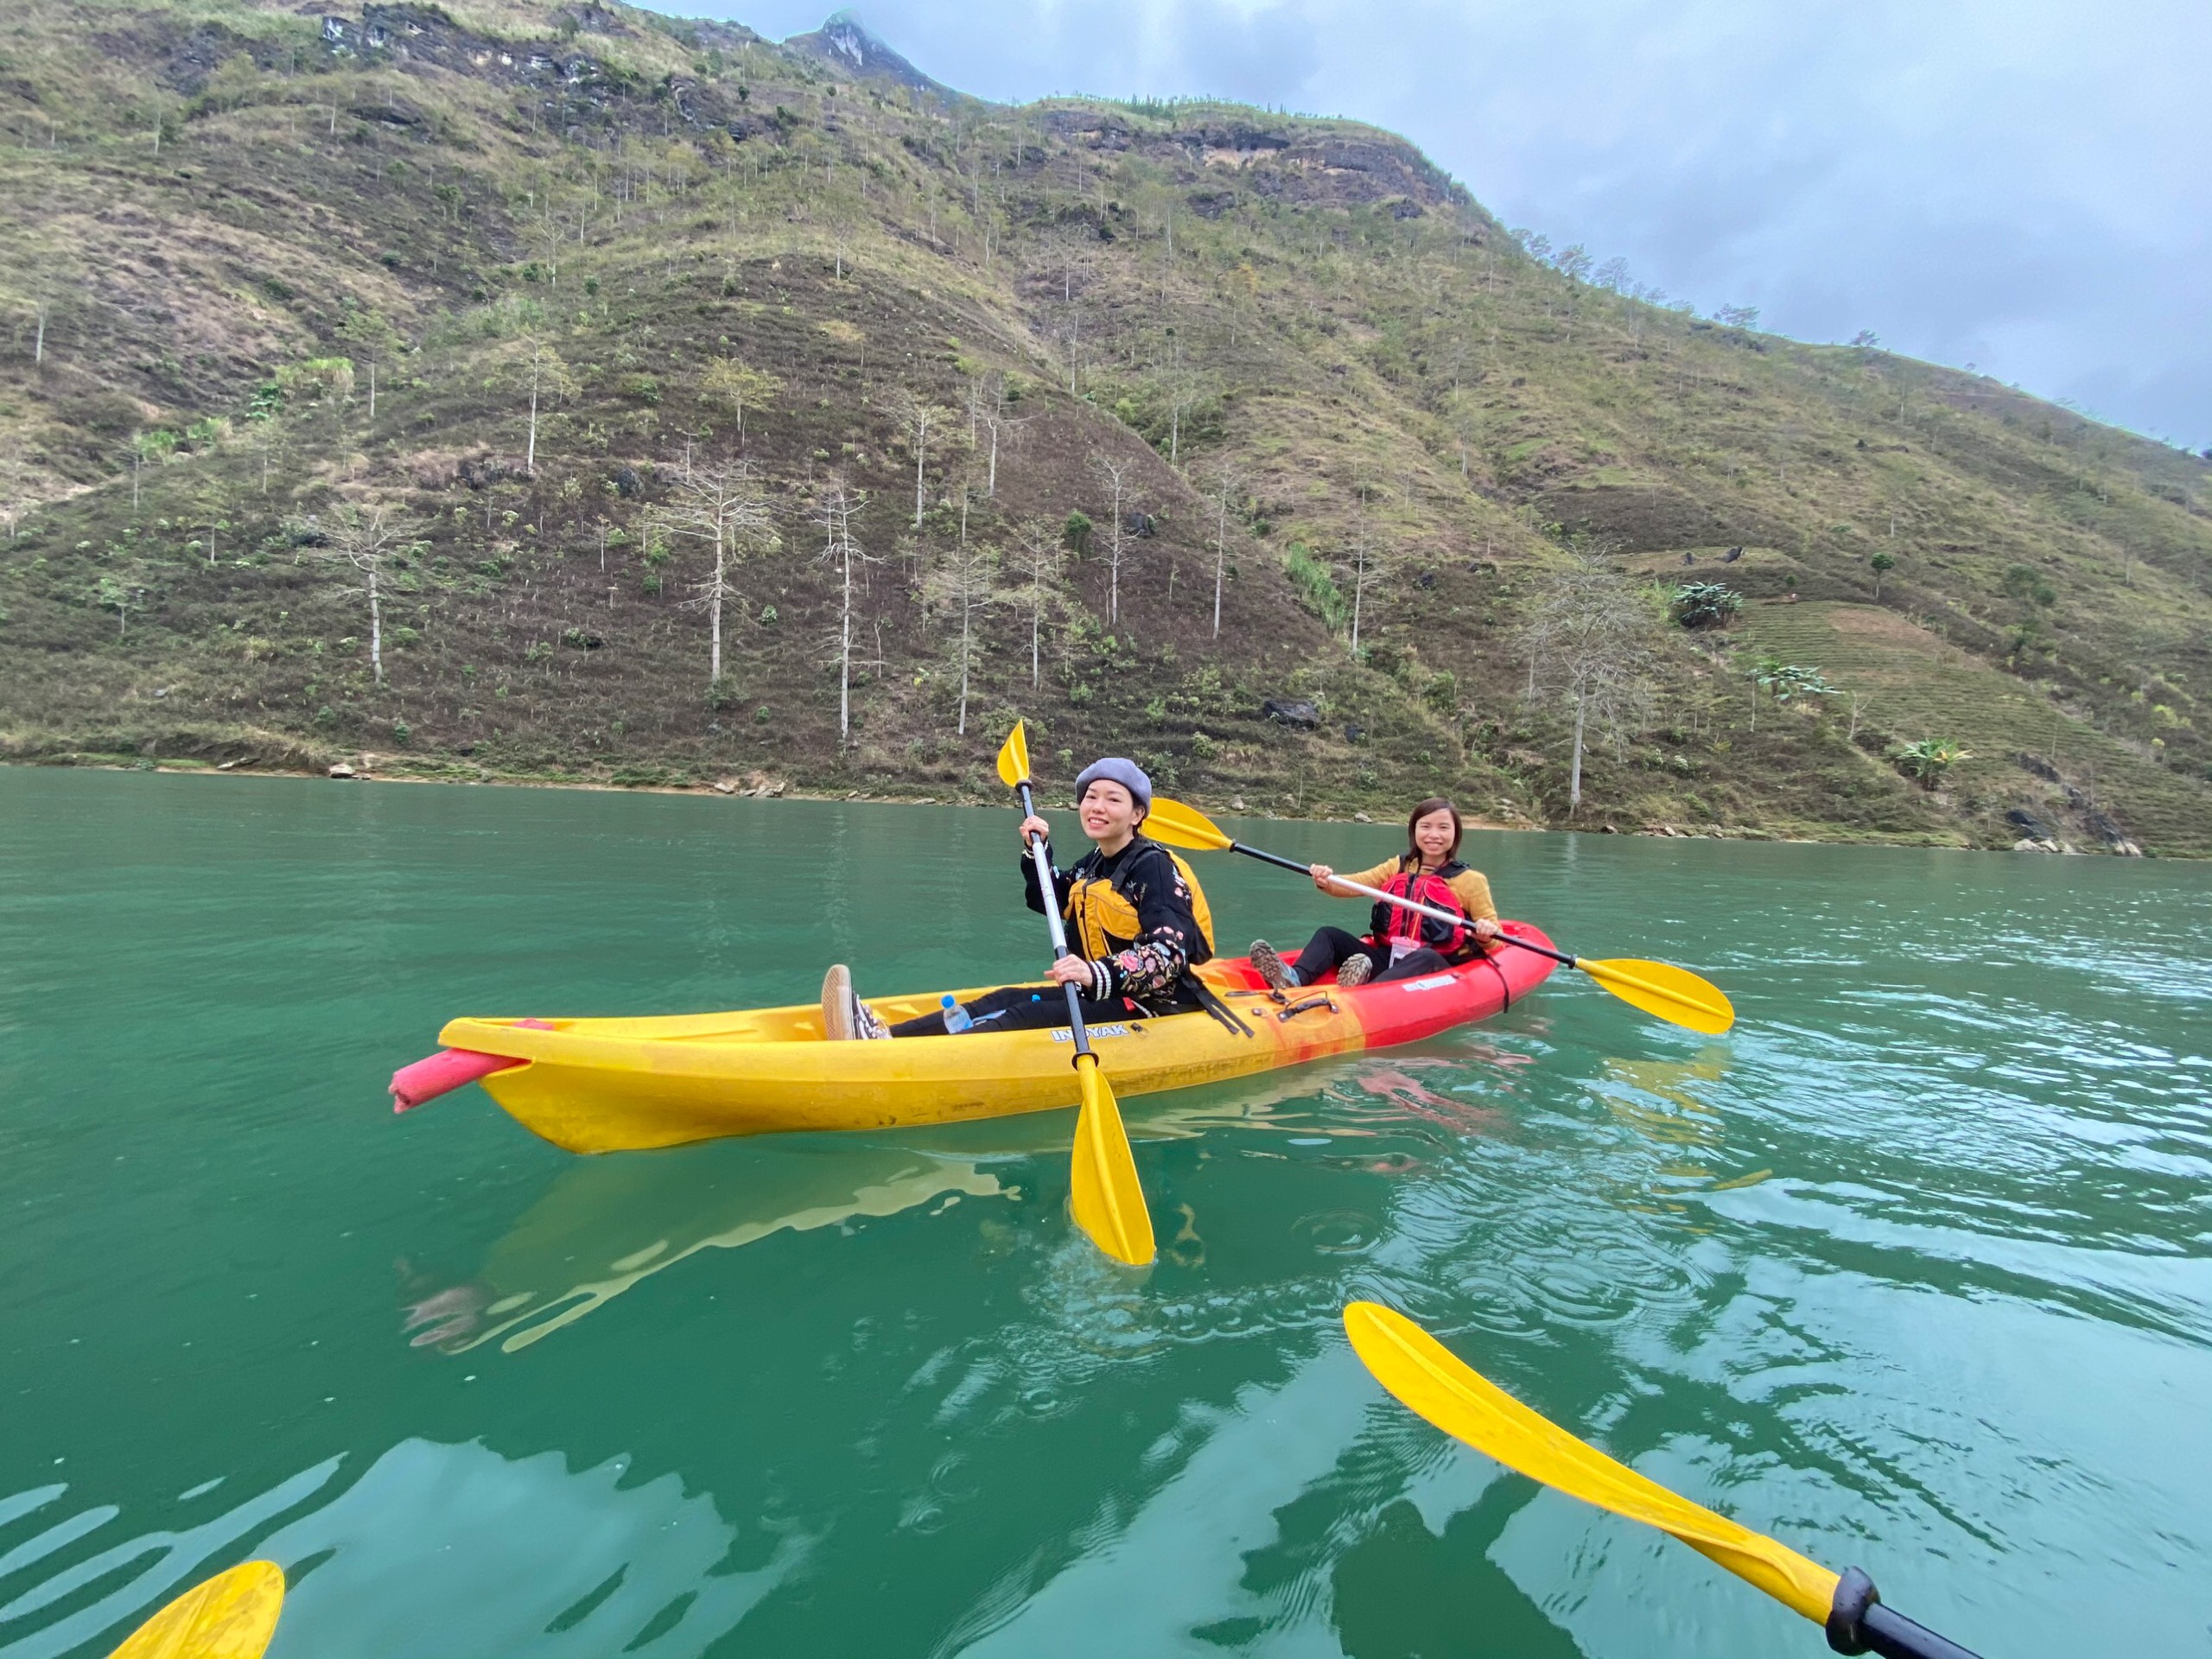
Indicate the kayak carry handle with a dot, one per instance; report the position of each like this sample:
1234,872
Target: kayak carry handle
448,1070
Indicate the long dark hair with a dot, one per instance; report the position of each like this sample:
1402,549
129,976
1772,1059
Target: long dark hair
1434,804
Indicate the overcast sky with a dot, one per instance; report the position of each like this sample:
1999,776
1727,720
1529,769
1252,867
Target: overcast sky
2022,185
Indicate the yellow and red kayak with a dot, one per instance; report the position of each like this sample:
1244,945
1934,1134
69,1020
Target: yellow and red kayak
613,1085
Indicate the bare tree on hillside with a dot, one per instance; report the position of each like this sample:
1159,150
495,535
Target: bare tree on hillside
1228,485
549,233
1068,256
1366,560
533,365
1071,342
1071,256
16,494
1186,391
268,439
1002,426
737,388
1043,553
364,539
833,511
372,338
155,444
210,508
1116,476
965,480
962,583
123,594
1590,638
917,417
985,389
725,507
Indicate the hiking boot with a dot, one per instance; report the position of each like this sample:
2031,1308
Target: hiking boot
1354,971
1269,962
838,1024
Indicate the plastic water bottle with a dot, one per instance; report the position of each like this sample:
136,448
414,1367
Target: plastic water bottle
956,1019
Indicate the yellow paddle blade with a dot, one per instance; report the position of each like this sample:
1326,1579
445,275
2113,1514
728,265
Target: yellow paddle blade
1661,988
1109,1203
1013,758
230,1616
1184,826
1435,1383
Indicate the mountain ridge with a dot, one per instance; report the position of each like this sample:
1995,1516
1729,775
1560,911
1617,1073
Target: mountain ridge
845,43
248,225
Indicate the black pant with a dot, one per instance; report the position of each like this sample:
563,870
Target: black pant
1331,947
1018,1008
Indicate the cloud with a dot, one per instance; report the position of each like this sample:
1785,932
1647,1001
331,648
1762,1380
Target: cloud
2021,184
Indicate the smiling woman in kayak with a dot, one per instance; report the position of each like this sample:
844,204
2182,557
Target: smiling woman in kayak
1400,944
1137,923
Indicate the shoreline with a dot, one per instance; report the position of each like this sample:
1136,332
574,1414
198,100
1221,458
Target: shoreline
759,786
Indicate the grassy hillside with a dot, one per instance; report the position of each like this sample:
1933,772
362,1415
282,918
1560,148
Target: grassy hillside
265,268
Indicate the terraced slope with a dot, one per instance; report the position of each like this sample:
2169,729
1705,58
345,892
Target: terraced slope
2030,751
266,266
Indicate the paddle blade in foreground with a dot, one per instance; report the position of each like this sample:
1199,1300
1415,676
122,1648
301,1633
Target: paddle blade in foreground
1665,990
1182,826
230,1616
1013,758
1108,1202
1435,1383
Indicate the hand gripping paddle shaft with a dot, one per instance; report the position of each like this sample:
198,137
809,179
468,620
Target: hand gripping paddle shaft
1105,1194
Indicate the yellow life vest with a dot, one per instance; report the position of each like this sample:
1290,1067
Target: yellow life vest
1103,918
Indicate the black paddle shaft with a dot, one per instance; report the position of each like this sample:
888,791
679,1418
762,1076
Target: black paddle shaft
1282,862
1048,890
1858,1622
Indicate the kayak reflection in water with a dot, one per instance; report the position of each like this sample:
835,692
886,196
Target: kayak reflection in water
1400,944
1133,911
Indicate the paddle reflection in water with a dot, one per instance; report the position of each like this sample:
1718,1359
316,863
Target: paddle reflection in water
1672,1109
1236,1523
606,1225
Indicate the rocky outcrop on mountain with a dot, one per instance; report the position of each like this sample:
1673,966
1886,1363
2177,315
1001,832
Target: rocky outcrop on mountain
845,44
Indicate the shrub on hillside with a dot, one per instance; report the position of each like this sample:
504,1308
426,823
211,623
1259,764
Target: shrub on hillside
1316,587
1927,760
1794,680
1704,605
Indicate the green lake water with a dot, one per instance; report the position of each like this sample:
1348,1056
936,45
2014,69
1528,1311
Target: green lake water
1913,1269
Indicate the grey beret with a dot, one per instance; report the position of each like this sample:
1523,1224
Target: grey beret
1129,775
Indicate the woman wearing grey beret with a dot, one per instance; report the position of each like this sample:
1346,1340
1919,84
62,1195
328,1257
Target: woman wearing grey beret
1137,925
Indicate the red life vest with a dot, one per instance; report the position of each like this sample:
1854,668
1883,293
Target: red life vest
1454,941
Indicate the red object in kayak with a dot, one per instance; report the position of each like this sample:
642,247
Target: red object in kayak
448,1070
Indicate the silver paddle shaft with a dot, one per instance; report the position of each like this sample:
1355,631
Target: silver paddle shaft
1046,887
1049,891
